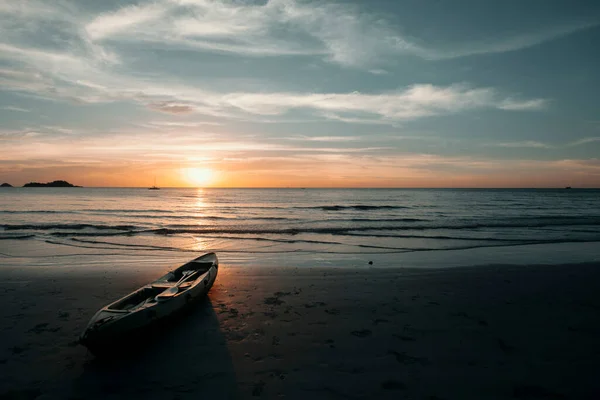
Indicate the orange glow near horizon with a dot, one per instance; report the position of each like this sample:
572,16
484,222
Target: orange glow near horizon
312,172
199,176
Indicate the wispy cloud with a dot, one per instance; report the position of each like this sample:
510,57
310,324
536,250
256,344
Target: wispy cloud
125,19
323,138
532,144
524,144
342,33
507,44
339,32
13,108
585,141
84,82
528,105
414,102
171,108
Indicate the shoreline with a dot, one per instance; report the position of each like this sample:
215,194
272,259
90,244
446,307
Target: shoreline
37,254
496,331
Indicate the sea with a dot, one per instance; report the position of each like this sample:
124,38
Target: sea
370,228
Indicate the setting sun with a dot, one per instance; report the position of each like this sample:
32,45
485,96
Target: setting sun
199,176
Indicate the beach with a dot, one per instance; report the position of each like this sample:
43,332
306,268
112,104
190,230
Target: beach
324,294
494,332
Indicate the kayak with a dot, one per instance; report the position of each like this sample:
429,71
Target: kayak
122,320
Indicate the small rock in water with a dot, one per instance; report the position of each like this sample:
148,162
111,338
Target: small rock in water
370,262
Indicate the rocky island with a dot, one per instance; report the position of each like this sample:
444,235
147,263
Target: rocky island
6,185
50,184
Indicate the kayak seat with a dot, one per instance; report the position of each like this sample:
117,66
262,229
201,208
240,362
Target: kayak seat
163,285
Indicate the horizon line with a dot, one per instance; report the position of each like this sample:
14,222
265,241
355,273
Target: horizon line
317,187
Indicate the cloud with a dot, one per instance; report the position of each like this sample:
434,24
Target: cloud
340,32
17,135
507,44
83,82
377,71
124,19
13,108
585,141
323,138
171,108
180,124
523,144
354,120
541,145
416,101
527,105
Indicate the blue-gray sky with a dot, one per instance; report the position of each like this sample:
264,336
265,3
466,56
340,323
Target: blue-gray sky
301,93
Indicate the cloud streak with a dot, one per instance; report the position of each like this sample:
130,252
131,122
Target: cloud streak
507,44
88,83
340,33
13,108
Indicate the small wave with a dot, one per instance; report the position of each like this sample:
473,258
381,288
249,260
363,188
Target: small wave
46,227
382,220
358,207
134,211
16,237
36,212
338,207
185,217
143,246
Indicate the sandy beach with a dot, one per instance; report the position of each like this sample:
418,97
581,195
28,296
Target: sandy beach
494,332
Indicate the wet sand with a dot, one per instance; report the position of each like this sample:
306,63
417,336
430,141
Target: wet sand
492,332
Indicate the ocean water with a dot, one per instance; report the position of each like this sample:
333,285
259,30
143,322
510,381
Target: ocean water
300,226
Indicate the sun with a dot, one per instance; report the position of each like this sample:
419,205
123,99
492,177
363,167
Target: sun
199,176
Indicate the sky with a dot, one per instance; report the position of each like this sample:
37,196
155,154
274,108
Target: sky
284,93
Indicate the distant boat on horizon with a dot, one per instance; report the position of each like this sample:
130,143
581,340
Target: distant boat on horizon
568,187
154,187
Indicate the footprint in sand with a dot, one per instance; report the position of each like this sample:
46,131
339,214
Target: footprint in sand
273,301
404,338
258,388
315,304
392,384
40,328
362,333
505,347
63,315
404,358
380,321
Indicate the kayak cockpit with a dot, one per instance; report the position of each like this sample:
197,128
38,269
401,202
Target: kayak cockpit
172,277
136,299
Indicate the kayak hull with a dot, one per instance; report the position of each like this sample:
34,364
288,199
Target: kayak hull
122,323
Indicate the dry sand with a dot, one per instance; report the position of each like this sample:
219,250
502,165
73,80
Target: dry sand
467,333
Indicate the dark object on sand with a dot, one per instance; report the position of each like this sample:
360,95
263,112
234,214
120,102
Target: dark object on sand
50,184
122,323
6,185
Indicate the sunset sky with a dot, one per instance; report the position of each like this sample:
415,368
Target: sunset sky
283,93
